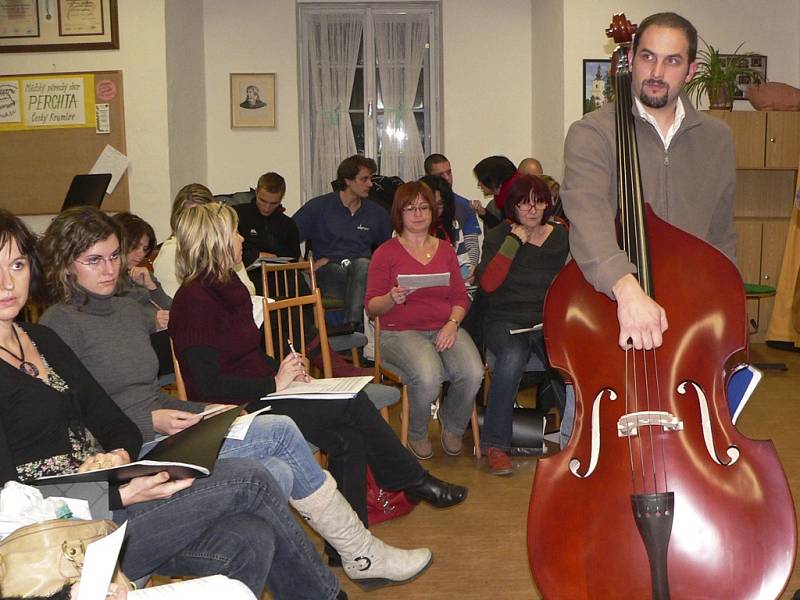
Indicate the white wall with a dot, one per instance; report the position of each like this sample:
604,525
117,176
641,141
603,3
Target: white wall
186,93
251,36
141,59
547,106
487,75
722,23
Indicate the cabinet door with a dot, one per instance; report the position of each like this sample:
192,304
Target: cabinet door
749,131
783,140
773,245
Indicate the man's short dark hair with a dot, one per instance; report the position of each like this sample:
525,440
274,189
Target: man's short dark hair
350,166
433,159
673,21
273,183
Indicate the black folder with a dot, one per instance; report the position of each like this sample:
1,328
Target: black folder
86,190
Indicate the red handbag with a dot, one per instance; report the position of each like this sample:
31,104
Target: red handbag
383,505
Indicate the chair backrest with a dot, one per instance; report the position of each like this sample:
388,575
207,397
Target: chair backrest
179,384
288,280
283,320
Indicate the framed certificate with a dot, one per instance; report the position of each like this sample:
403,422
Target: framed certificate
58,25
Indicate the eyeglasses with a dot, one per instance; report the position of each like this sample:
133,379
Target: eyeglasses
529,206
94,262
422,208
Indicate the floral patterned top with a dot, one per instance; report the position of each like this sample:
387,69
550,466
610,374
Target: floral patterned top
82,444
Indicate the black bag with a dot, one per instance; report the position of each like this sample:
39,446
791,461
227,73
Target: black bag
527,431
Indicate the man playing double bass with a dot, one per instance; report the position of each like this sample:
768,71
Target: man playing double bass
687,171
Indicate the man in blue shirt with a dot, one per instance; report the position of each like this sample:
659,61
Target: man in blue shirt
343,228
437,164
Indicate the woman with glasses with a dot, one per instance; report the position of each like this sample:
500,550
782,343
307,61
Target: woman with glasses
521,256
420,327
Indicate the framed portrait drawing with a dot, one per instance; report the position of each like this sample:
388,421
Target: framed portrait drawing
58,25
756,62
596,88
252,100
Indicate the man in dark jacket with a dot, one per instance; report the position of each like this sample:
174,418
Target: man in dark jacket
266,230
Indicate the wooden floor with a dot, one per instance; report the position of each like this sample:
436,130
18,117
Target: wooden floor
479,546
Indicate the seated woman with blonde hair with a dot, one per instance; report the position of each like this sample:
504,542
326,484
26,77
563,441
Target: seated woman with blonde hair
217,345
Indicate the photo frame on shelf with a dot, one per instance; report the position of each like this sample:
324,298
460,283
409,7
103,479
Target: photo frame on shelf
252,100
757,62
58,25
596,90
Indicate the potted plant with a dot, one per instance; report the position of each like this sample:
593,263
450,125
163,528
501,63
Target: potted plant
717,75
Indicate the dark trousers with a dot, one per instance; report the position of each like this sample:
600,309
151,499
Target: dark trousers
354,435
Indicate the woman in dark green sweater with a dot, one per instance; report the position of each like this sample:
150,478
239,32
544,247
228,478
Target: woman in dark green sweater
521,256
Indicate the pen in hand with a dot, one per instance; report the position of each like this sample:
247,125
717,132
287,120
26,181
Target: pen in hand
297,356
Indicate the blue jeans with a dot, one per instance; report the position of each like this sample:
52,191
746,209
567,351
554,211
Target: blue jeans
276,442
424,370
511,355
347,283
235,523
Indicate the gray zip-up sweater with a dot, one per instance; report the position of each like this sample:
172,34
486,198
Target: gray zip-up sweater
111,337
691,185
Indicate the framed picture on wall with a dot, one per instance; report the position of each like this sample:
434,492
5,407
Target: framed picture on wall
58,25
596,83
757,62
252,99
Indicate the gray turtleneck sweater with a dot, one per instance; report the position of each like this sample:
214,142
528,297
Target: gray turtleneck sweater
111,337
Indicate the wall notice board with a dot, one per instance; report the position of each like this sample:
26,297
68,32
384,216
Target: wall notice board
54,126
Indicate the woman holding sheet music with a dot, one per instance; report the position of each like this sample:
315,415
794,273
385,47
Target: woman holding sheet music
420,330
521,256
55,419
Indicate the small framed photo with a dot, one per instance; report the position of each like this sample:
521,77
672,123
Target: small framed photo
597,90
756,62
252,100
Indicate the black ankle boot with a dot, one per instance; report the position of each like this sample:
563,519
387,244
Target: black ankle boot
436,492
341,595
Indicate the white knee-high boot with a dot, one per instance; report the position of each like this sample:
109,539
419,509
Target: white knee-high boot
366,560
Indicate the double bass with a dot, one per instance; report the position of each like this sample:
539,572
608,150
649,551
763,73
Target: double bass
656,494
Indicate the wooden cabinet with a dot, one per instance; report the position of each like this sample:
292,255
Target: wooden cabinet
764,139
767,156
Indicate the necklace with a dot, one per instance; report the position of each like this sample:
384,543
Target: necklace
25,366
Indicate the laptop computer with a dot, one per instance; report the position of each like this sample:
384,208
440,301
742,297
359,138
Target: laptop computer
86,190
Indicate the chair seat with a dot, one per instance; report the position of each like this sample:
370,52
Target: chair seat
340,343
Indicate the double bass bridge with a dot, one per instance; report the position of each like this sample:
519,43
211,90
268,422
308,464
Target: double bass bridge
628,425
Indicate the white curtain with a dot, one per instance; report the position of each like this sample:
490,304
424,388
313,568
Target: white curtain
333,54
400,42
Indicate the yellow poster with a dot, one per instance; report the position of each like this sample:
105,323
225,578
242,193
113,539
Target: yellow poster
46,102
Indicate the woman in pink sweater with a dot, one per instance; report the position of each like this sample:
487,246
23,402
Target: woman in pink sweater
420,327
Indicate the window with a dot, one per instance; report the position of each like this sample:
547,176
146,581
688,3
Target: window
369,84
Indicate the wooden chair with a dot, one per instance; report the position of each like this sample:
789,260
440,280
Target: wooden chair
387,371
290,325
179,383
291,280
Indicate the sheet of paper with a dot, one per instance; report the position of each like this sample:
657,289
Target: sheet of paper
98,565
204,588
342,387
241,425
536,327
423,280
111,161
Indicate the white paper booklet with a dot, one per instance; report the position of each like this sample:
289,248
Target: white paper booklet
330,389
424,280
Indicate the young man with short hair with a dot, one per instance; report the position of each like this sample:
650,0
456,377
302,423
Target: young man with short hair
343,228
